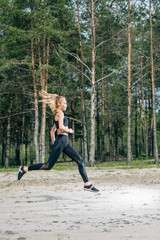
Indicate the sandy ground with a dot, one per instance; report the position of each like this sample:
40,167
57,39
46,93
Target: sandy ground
52,205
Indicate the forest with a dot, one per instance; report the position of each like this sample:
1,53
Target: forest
103,56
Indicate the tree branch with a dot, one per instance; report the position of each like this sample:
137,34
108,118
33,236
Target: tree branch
105,12
71,64
140,70
120,64
109,74
108,39
139,79
103,53
97,3
77,57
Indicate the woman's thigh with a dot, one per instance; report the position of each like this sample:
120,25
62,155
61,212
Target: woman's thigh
71,152
55,152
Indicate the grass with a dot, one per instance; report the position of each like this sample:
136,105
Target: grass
8,185
109,166
135,164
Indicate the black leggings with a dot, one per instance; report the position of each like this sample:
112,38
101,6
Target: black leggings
61,145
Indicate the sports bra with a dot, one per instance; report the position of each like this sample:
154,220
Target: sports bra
65,122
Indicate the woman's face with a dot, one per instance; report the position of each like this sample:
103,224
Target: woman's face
63,104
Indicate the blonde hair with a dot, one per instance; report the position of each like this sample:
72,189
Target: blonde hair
51,99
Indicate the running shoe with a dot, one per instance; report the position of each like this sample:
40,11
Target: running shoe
91,188
21,172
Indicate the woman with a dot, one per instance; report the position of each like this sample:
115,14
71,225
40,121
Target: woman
58,105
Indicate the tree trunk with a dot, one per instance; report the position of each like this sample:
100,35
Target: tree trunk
8,141
146,125
150,127
26,145
92,141
8,138
22,136
17,147
153,91
116,143
141,110
42,138
98,126
44,79
85,149
3,142
109,123
47,63
31,142
129,155
122,142
136,123
35,102
72,122
102,144
43,119
116,128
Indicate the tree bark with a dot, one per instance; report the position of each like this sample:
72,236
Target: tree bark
98,126
8,144
17,142
146,125
102,144
150,127
116,129
153,90
35,101
109,123
72,122
43,118
3,142
22,135
26,145
85,149
31,142
43,121
92,141
141,110
129,154
136,123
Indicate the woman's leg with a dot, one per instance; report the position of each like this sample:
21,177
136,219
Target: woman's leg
54,155
70,152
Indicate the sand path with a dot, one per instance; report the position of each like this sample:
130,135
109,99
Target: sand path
53,205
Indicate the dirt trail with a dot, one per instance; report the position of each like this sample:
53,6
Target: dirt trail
53,205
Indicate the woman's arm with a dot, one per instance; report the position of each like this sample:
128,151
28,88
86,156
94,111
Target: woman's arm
61,126
52,133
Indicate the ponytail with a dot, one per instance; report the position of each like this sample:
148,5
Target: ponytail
50,99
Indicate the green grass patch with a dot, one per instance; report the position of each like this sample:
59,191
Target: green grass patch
10,169
138,163
109,166
8,185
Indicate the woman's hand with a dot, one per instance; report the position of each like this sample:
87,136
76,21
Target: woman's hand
70,130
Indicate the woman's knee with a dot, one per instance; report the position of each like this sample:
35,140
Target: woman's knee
46,166
80,161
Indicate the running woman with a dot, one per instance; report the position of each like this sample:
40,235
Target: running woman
58,105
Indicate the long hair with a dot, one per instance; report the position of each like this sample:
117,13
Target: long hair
51,99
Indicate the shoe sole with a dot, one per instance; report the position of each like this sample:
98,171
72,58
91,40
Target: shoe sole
90,190
18,173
